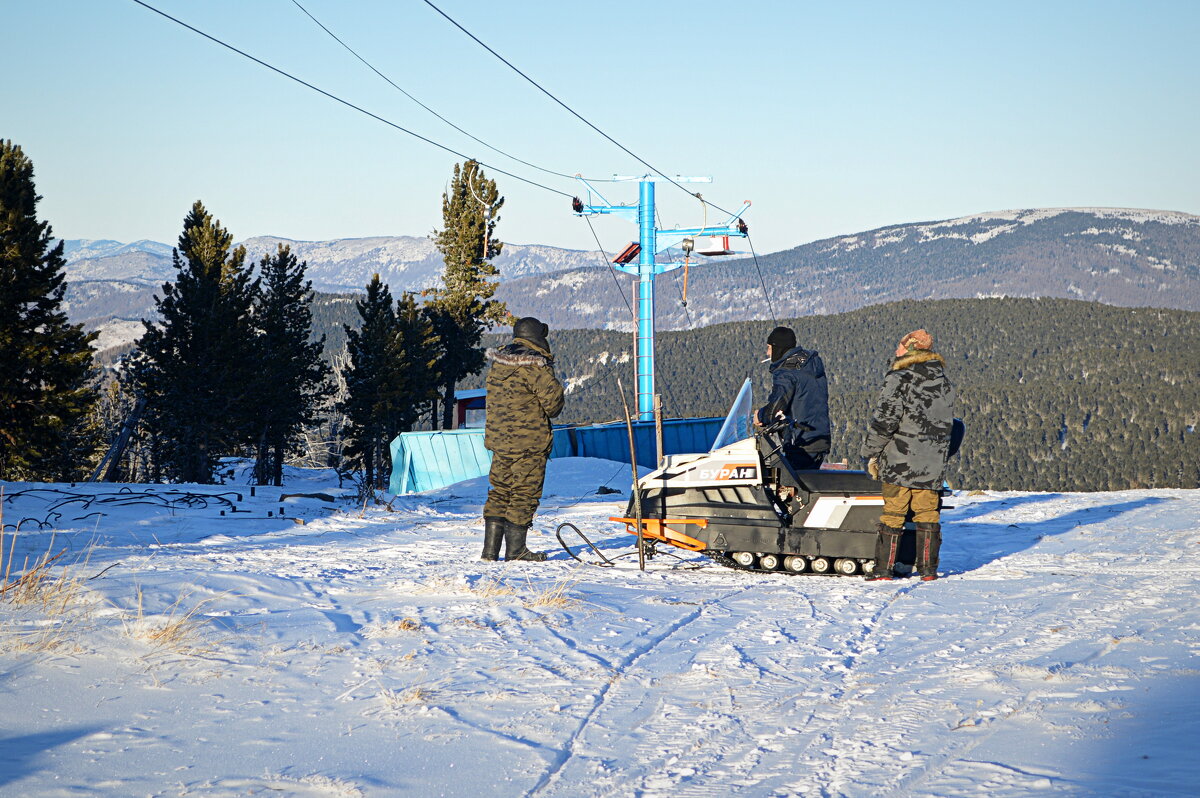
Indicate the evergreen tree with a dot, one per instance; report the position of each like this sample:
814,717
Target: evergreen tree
389,379
46,375
294,379
463,308
420,350
370,387
196,367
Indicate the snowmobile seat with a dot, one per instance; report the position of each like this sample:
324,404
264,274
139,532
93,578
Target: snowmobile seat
826,482
832,483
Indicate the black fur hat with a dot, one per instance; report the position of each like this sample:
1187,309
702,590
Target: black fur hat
532,330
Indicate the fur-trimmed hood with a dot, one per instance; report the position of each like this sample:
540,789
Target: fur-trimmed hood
916,357
519,353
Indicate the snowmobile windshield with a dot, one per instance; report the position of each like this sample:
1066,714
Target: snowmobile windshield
737,422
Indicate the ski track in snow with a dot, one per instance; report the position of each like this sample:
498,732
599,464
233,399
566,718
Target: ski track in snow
375,655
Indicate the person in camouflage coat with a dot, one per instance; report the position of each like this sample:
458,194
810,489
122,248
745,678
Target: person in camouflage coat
522,396
906,447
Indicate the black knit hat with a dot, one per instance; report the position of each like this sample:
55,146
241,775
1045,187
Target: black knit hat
781,340
533,331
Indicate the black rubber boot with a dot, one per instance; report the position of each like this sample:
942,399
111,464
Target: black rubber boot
514,544
887,543
493,536
929,541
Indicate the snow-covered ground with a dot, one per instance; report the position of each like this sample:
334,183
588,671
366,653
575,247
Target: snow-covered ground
369,652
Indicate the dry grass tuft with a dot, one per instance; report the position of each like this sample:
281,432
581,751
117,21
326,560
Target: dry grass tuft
53,637
394,701
177,630
554,597
396,627
473,623
55,593
492,588
36,584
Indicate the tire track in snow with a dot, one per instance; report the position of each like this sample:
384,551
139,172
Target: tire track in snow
1098,625
868,744
772,760
603,699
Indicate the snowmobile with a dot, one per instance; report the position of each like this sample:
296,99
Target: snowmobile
744,506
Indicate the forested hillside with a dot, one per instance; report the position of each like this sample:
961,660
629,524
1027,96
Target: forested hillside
1056,394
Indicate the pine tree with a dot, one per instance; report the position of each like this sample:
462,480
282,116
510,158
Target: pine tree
419,349
463,308
388,381
46,374
369,378
196,366
294,379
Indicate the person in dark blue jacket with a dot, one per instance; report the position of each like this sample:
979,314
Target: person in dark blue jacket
800,395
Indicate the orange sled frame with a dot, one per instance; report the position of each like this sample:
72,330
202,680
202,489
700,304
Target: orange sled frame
658,529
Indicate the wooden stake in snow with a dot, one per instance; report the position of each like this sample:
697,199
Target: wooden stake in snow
637,493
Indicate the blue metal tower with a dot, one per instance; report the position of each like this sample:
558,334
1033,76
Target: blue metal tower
652,241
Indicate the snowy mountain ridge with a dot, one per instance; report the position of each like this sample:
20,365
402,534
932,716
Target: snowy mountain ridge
406,263
86,249
1121,256
949,229
1118,256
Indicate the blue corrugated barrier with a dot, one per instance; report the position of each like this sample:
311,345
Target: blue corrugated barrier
427,460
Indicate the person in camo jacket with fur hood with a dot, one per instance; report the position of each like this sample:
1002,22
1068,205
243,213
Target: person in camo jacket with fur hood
906,447
522,396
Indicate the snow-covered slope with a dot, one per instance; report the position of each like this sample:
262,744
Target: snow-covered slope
80,249
336,651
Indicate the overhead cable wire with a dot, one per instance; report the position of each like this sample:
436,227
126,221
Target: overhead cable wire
762,282
347,103
613,271
390,82
568,108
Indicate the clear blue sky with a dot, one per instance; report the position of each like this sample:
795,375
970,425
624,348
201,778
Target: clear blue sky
831,117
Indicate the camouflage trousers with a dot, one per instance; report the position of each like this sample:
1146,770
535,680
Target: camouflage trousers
898,501
516,486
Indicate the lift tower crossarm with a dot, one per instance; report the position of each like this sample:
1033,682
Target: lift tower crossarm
650,242
674,237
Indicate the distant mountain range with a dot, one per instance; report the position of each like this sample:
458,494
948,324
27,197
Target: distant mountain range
406,263
111,285
1116,256
1122,257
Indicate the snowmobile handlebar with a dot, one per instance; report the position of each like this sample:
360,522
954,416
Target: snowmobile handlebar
780,424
